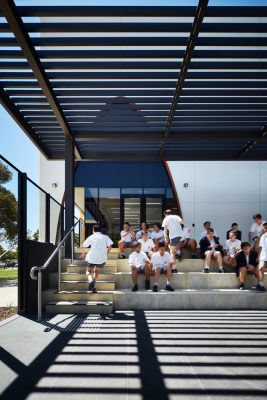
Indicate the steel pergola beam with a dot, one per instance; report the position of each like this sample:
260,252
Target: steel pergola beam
252,142
15,113
16,25
200,13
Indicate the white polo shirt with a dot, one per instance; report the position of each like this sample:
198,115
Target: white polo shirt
186,234
157,235
232,247
147,245
263,245
256,229
99,244
128,236
173,224
161,261
137,259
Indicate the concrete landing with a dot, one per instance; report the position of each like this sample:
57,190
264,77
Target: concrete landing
136,355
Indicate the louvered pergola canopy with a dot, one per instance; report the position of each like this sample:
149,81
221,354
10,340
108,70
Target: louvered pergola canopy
137,83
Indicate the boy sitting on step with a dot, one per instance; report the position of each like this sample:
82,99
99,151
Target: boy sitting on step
162,262
100,246
139,263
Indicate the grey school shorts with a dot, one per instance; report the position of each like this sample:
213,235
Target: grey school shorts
175,241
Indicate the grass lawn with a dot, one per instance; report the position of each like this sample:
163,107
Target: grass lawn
7,274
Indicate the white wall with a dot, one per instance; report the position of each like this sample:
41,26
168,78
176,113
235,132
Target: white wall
223,192
51,172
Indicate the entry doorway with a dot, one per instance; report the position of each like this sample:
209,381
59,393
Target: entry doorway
136,209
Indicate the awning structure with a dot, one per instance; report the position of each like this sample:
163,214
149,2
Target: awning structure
137,83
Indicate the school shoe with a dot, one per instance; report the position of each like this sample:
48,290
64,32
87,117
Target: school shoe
260,288
94,290
135,288
193,256
206,270
169,288
155,288
147,284
178,256
221,271
175,270
242,286
91,286
122,257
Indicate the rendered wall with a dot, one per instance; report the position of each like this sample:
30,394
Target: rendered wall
223,192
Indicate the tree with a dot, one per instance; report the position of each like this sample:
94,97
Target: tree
8,207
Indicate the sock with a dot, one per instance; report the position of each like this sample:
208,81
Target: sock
178,252
207,267
220,267
168,282
156,284
261,283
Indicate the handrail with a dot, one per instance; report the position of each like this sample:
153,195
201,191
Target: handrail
6,251
48,261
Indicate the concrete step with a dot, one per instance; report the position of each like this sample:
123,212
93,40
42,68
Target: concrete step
108,269
185,265
75,295
189,280
73,276
215,299
79,307
83,285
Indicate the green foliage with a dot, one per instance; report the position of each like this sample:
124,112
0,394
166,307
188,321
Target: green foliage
33,236
8,207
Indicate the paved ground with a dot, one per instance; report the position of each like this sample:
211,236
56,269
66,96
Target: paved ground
136,355
9,293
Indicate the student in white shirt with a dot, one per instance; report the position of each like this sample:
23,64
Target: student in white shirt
162,261
262,259
231,247
207,226
157,235
255,231
147,245
188,242
144,228
127,238
139,263
173,233
100,246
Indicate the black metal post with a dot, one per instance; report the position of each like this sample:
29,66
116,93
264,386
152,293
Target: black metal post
22,241
47,218
61,223
69,191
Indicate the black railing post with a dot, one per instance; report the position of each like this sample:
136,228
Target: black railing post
69,192
62,219
47,218
22,241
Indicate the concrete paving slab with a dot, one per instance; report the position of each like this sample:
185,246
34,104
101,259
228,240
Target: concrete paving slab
130,355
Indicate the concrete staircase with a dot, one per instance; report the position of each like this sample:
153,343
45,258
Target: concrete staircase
193,289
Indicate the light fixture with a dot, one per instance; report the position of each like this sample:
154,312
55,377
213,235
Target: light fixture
54,185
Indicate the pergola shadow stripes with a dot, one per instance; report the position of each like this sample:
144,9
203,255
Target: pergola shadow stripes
137,83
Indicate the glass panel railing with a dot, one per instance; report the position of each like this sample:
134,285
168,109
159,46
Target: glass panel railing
36,213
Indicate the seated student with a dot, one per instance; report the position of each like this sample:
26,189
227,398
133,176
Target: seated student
234,228
127,238
246,262
144,228
157,235
188,243
100,246
162,262
255,231
231,247
147,245
139,262
207,225
262,259
211,248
